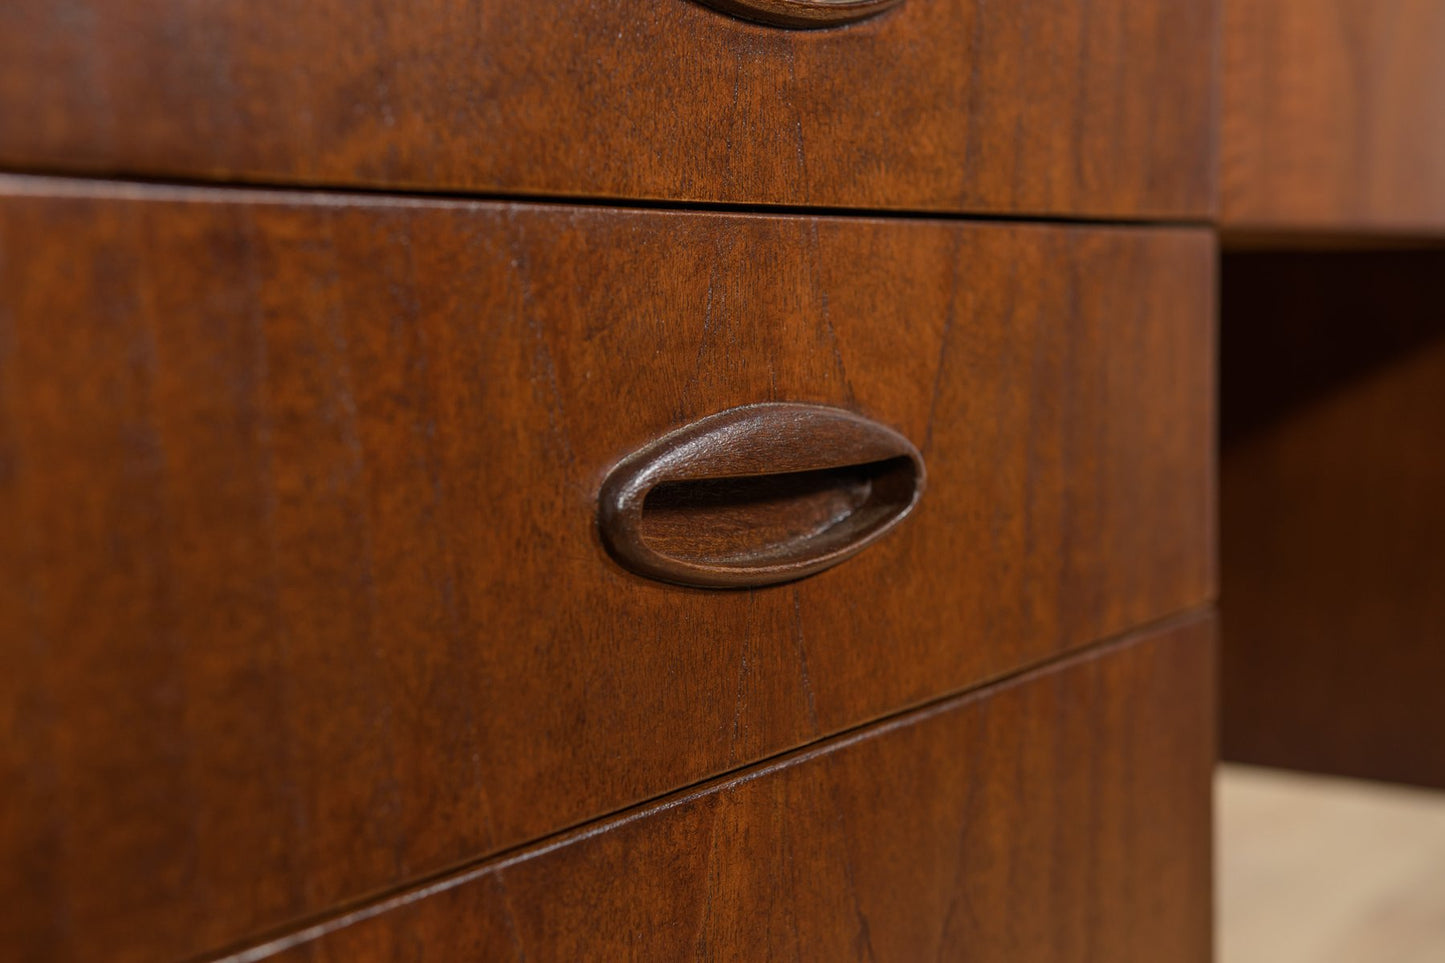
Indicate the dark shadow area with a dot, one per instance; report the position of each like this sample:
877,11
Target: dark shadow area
1296,325
1332,511
757,515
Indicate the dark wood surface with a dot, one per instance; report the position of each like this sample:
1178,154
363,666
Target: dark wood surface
1333,115
301,563
1332,517
1081,107
1060,817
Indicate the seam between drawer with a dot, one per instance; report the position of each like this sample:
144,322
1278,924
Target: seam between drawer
307,929
123,185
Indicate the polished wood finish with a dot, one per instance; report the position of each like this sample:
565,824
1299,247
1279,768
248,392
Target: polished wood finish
758,494
1333,521
1333,115
1061,817
305,575
1078,107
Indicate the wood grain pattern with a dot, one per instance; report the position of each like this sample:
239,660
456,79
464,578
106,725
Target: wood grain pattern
1081,107
1064,816
1333,527
1333,115
299,478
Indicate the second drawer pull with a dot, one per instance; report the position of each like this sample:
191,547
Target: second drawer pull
759,494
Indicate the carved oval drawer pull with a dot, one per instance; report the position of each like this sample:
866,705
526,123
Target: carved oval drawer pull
759,494
803,14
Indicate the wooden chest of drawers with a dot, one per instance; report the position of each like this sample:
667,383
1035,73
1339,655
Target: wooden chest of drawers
314,648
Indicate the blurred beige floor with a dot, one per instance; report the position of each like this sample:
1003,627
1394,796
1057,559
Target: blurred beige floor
1323,870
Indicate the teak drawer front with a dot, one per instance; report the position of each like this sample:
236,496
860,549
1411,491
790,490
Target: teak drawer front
306,584
1334,115
1085,107
1063,816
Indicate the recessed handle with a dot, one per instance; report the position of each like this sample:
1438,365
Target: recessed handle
757,495
803,14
